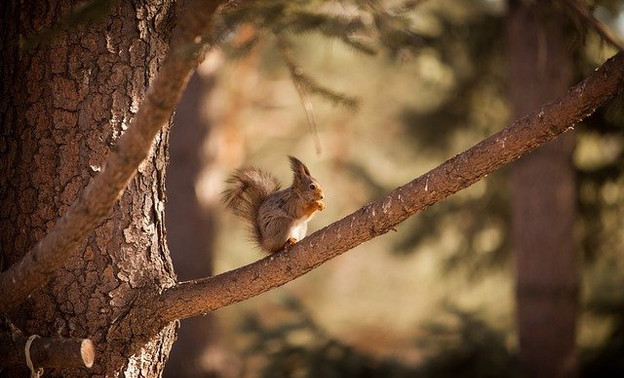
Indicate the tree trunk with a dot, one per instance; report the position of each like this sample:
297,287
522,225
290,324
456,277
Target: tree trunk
543,198
66,101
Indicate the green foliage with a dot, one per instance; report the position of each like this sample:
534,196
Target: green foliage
305,83
285,355
606,301
468,347
601,180
481,223
472,348
349,23
601,210
472,48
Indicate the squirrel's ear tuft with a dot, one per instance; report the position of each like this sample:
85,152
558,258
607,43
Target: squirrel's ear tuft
298,168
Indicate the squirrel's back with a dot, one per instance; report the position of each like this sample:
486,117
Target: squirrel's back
248,189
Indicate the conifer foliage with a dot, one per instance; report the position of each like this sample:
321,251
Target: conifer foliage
368,27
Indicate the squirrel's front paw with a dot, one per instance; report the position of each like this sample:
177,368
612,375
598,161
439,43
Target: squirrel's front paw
290,242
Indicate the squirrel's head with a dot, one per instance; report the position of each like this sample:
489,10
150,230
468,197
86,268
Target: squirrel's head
306,185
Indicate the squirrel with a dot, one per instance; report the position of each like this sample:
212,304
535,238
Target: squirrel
277,218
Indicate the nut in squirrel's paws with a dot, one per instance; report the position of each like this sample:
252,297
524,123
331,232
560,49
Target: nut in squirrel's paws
320,205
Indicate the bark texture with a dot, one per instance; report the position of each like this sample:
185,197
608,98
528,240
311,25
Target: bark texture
65,104
543,198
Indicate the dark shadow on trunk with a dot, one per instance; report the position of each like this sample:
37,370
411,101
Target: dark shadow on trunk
191,227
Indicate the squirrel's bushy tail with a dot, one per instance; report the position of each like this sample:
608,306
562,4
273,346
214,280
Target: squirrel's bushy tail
248,189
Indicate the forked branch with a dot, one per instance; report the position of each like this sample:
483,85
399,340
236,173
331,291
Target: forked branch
200,296
95,203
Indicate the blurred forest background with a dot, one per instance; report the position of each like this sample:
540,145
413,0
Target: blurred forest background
371,95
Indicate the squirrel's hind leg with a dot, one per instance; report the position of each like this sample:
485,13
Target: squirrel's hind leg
275,233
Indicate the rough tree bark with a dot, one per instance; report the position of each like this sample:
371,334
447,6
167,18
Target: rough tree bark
64,105
190,39
543,198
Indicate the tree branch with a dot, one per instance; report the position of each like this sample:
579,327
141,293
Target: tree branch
95,203
200,296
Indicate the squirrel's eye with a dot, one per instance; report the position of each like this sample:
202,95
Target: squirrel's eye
312,187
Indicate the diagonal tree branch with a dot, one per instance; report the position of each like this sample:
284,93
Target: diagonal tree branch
200,296
94,204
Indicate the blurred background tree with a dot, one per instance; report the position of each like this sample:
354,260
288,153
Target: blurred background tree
543,193
371,94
